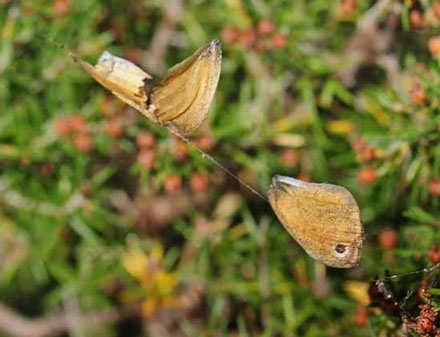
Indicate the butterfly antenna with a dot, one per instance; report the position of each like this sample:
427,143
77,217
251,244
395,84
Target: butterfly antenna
215,162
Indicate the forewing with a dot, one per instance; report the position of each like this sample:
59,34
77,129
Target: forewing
182,99
324,219
123,78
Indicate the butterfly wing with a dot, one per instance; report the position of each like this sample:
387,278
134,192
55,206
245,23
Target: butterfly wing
182,99
123,78
324,219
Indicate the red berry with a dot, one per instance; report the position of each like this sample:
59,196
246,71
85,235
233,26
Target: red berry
305,177
145,140
434,187
62,126
146,159
248,38
365,151
418,96
205,142
114,128
367,154
422,292
230,35
279,41
199,182
180,153
349,6
387,238
416,19
265,27
436,9
290,157
173,183
78,123
83,142
434,254
360,317
367,175
359,144
434,45
61,7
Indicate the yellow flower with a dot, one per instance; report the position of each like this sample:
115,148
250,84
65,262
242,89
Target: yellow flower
135,263
149,307
166,282
156,284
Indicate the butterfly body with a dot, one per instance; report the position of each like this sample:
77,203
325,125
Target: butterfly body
323,218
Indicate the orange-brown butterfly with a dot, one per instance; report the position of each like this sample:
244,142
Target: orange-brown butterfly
324,219
180,101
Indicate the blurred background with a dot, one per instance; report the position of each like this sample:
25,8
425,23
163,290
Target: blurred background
110,226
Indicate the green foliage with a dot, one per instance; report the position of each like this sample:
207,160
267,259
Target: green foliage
74,203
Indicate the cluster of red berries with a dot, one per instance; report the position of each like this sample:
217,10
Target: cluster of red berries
418,95
425,323
366,153
173,182
260,39
77,127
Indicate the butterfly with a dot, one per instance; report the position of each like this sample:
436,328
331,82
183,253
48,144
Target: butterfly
182,99
323,218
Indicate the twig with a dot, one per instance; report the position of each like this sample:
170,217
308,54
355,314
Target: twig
153,58
14,324
367,43
373,14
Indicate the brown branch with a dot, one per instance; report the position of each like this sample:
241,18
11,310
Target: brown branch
14,324
367,43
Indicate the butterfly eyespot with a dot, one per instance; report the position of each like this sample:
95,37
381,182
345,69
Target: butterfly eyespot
341,250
